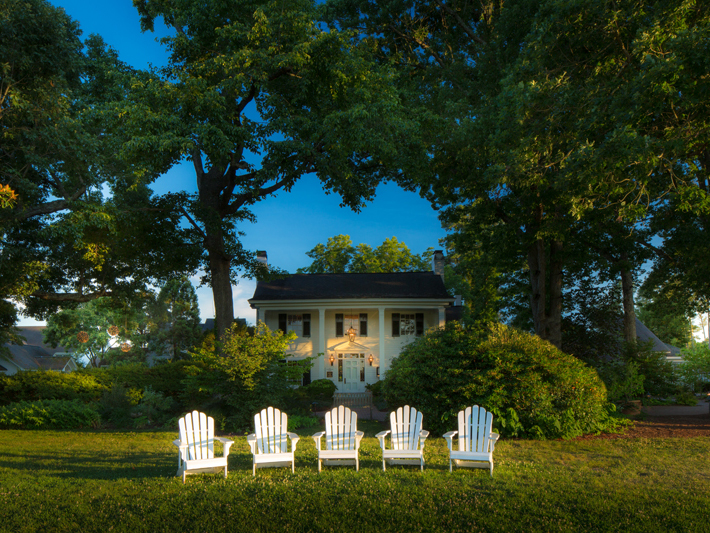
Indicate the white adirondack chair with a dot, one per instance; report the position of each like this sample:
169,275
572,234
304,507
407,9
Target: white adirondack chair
196,445
476,440
407,438
342,439
269,442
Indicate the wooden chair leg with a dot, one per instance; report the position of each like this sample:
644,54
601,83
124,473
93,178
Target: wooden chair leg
383,465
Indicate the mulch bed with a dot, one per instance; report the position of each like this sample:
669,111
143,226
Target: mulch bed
662,427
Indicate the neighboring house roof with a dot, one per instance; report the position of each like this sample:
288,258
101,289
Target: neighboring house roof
644,334
25,356
35,355
34,336
352,286
58,363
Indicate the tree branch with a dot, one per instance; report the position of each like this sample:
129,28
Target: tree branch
465,27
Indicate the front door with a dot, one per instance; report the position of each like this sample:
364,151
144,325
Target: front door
351,375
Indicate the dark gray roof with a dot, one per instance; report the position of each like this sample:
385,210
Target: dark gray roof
34,336
53,362
353,286
25,357
644,335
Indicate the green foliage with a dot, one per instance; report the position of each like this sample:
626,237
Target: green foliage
532,388
301,422
622,379
241,374
665,310
48,385
339,255
48,414
175,318
659,378
695,369
686,398
67,328
316,395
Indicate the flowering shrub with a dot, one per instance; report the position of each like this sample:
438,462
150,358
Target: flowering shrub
532,388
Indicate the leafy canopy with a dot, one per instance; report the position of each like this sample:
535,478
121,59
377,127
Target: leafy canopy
339,255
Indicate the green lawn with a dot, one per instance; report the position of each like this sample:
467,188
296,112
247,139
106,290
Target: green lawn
116,481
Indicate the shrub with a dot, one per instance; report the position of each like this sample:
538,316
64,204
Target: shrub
317,394
241,374
532,388
48,414
49,385
658,376
694,371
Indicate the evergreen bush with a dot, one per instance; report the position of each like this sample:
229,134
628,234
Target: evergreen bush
50,385
532,388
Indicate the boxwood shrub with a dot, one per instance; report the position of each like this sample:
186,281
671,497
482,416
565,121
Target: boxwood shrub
532,388
49,414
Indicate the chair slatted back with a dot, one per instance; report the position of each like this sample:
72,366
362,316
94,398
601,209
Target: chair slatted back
270,427
197,430
475,426
340,428
405,425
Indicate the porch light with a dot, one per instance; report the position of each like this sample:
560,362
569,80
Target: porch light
370,359
332,359
351,334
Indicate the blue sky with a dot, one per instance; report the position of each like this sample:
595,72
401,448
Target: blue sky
289,224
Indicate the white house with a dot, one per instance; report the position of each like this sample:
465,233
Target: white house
354,324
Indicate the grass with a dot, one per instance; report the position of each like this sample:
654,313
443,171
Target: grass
118,481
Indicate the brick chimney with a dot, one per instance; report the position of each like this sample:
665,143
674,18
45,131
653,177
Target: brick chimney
437,263
261,257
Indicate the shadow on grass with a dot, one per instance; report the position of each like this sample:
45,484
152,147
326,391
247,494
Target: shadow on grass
93,465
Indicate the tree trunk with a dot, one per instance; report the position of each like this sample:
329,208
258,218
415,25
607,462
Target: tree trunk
538,293
220,267
554,318
627,288
546,295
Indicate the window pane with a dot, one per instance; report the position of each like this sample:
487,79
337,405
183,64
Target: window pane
363,324
338,325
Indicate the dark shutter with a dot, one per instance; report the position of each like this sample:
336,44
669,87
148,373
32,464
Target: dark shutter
307,326
338,324
420,323
282,322
363,324
307,377
395,324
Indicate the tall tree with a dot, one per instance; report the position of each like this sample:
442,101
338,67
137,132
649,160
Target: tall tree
339,255
256,94
70,234
545,117
175,324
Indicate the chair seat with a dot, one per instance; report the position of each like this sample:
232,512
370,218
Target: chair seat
196,464
264,458
471,456
413,454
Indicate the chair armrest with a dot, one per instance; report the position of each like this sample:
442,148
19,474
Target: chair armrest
317,437
449,436
179,444
294,440
381,436
226,443
251,441
423,434
358,437
494,439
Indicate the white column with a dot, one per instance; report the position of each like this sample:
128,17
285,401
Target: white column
319,365
260,315
442,317
384,364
